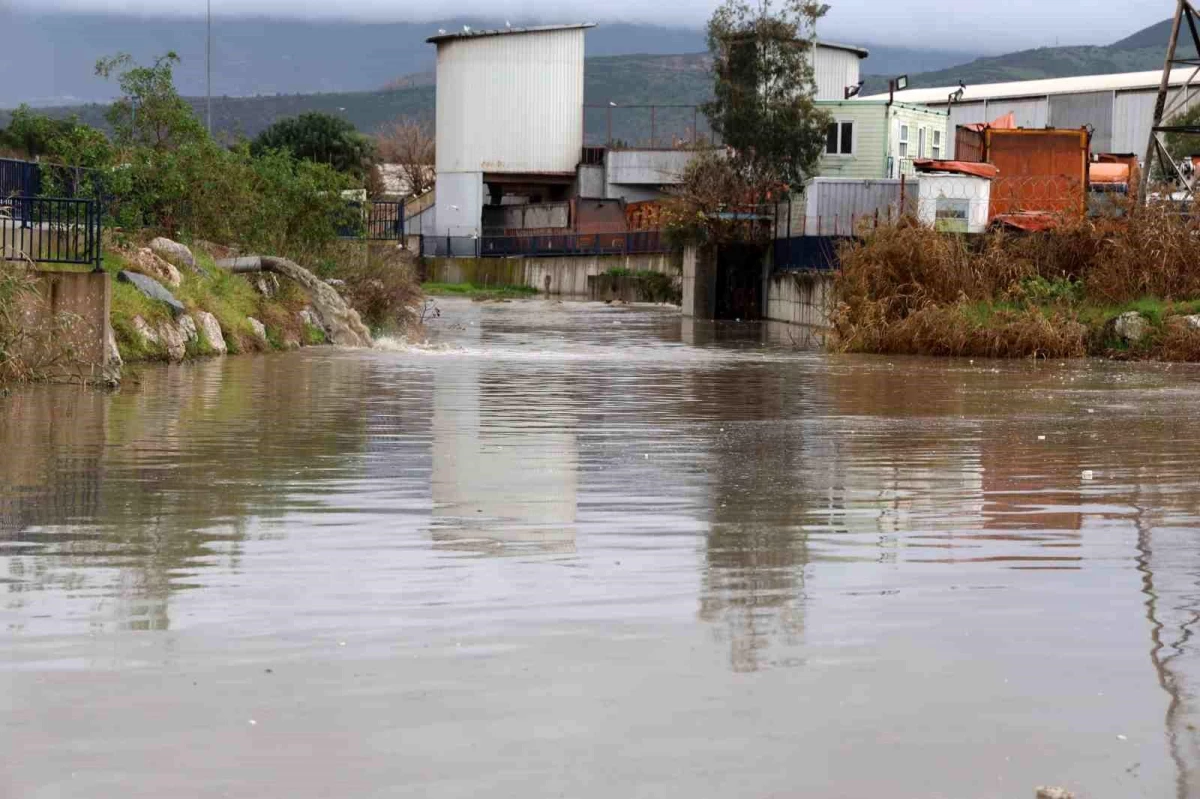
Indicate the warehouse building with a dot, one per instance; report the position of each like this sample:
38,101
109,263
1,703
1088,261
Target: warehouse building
510,127
1118,108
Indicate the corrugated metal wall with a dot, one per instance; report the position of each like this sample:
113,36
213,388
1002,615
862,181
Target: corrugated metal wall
835,207
833,71
1133,114
510,103
1069,111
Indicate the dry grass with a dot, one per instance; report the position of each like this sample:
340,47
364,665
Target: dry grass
907,289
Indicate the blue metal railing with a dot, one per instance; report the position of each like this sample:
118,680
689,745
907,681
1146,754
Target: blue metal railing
19,178
807,253
378,220
51,230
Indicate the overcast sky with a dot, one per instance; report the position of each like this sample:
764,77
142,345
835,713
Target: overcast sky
989,26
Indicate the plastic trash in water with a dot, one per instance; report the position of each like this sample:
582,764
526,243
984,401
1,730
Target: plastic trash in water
1088,474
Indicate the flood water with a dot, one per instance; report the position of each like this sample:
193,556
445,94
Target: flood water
586,551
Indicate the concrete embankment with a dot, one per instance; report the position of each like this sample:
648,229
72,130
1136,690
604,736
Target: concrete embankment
565,276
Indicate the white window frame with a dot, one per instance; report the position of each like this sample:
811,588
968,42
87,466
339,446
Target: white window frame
853,139
937,145
922,140
903,140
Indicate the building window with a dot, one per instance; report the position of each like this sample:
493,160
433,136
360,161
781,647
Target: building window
920,142
937,145
904,141
839,138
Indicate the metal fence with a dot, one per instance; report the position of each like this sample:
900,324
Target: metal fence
19,178
381,220
545,245
646,126
51,230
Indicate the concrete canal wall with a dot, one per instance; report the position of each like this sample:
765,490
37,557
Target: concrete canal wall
797,298
565,276
801,298
69,320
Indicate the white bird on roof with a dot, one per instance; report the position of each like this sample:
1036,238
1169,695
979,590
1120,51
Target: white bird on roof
508,24
442,31
466,28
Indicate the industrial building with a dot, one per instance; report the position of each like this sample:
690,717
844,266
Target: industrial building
1118,108
510,130
876,139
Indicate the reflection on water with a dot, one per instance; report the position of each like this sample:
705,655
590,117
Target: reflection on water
585,550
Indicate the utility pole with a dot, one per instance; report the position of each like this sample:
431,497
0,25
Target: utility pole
1184,12
208,66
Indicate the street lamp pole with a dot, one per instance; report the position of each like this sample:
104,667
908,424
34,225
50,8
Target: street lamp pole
208,66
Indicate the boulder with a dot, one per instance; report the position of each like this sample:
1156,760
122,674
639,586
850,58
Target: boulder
112,354
1192,322
187,326
1054,793
266,283
173,338
152,289
211,329
144,331
145,262
174,252
259,329
1132,327
310,318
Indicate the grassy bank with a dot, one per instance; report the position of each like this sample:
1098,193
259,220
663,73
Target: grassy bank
470,290
377,281
1110,288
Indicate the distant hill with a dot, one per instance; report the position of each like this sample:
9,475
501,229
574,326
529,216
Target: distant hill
1144,50
259,56
628,80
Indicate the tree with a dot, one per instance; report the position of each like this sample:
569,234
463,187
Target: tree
150,112
322,138
1182,145
409,144
764,105
32,133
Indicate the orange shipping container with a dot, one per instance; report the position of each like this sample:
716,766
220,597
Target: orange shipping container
1041,171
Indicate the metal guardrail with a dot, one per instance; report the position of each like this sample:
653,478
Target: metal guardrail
545,245
51,230
19,178
379,220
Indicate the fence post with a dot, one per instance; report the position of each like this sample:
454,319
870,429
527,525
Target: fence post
98,233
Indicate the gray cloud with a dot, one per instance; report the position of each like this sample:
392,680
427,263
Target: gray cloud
967,24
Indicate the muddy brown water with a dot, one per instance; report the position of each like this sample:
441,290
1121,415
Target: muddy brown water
584,551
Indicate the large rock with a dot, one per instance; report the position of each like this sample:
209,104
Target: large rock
152,289
147,263
112,353
259,329
144,331
1192,322
266,283
310,318
187,326
1132,327
211,329
174,339
174,252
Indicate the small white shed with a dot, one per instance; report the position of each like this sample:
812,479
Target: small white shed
955,197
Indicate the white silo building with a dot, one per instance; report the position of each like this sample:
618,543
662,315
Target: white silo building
509,119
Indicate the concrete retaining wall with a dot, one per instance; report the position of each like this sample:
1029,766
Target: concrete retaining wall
69,324
801,298
565,275
700,282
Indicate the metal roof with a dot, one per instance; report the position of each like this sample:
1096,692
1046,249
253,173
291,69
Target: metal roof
474,34
1125,81
858,51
